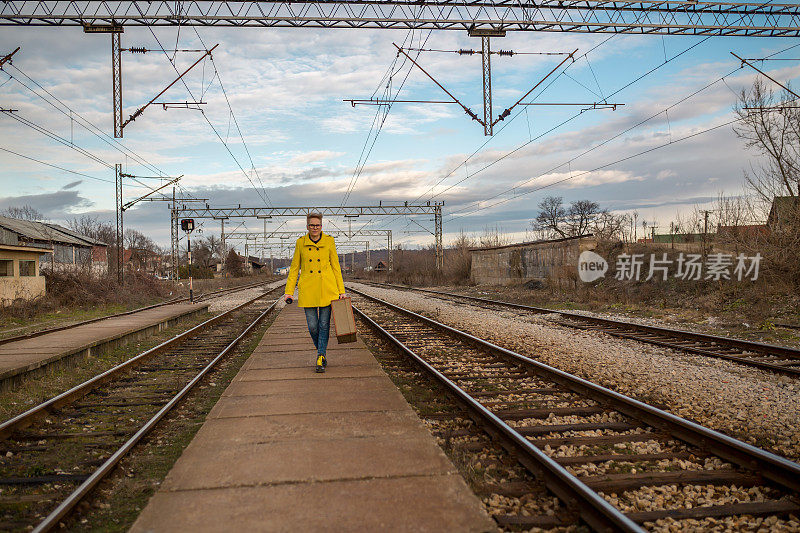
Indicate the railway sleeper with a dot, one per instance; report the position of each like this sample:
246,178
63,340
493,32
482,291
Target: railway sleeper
777,507
613,483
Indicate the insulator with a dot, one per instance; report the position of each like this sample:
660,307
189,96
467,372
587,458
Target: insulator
505,52
464,52
139,50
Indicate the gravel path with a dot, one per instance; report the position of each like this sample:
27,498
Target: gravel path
758,407
230,300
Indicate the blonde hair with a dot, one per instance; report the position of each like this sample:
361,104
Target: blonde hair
313,214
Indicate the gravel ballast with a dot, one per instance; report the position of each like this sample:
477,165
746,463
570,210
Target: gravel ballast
757,407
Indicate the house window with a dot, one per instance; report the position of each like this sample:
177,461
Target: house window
27,268
6,267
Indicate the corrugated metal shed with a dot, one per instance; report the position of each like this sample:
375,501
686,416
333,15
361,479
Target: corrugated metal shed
77,235
28,230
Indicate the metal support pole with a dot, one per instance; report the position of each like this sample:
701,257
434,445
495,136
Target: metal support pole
189,248
116,73
224,250
174,237
437,216
120,229
389,256
487,85
369,263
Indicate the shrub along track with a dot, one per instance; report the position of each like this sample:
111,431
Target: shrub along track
52,455
199,298
779,359
615,463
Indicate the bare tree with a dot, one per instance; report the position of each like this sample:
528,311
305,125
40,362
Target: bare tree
610,227
136,240
554,220
201,254
551,216
580,217
492,237
234,264
771,125
25,212
93,227
214,244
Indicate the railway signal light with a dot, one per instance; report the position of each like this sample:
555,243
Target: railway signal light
187,224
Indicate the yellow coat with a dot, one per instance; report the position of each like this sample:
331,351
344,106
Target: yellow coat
320,273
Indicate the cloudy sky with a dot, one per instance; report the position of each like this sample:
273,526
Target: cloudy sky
301,145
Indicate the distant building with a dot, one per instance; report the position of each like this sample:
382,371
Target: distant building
748,232
69,249
20,276
785,211
678,238
254,264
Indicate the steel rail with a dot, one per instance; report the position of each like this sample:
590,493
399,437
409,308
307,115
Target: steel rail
732,342
592,507
52,520
22,420
771,466
212,294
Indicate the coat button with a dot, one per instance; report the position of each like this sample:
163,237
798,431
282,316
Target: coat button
317,259
310,260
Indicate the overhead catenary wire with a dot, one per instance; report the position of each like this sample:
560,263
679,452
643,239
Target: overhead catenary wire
456,215
598,145
55,166
80,119
507,124
59,139
623,87
386,109
233,115
261,193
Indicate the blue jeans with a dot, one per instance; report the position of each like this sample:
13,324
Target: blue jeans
319,325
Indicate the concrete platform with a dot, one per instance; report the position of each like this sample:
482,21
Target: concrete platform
28,355
286,449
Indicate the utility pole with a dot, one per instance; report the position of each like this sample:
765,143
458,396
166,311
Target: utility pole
187,225
705,233
120,247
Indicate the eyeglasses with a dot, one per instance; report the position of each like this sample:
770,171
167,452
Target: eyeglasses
315,225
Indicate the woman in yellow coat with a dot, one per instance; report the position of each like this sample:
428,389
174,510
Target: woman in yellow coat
317,263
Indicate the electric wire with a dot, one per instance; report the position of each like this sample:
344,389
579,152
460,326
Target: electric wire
625,86
385,110
457,215
232,114
55,166
59,139
261,193
599,145
82,121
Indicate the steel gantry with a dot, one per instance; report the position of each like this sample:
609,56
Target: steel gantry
762,19
265,213
267,238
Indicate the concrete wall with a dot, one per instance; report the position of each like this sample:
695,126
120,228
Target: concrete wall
16,286
552,261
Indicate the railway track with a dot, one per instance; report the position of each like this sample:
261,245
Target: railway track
201,297
615,463
779,359
52,455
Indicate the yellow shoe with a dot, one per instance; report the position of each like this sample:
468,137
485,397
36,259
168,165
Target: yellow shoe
321,363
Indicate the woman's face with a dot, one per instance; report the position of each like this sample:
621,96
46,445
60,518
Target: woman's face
314,227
